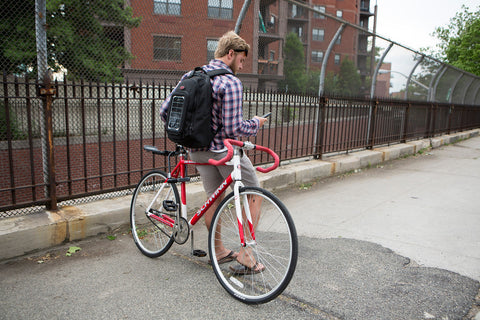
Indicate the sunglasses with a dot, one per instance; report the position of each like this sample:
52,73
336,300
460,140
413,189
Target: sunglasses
241,50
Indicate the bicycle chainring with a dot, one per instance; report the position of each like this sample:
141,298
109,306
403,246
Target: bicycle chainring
181,231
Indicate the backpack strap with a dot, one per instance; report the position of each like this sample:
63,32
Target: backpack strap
211,74
217,72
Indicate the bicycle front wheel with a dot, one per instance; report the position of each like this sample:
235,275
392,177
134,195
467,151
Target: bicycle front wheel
153,197
275,248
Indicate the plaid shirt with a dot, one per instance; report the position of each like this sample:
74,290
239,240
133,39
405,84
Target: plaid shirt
227,108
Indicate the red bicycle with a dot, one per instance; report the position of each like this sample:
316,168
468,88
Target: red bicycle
249,219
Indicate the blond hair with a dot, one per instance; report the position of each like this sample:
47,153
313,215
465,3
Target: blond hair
231,41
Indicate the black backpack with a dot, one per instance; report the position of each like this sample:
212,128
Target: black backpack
189,113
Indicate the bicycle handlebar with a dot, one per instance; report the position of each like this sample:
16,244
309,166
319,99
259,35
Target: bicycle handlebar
229,142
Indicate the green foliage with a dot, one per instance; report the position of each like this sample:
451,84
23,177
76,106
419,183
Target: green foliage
294,67
313,81
460,41
346,83
72,250
349,79
77,37
15,132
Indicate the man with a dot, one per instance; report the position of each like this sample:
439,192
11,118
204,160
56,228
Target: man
227,95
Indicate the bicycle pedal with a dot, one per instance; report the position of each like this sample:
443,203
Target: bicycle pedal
199,253
170,205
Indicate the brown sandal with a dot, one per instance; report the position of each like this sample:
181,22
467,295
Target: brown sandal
244,270
228,258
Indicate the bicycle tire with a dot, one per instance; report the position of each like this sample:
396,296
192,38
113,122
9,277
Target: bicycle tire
152,237
276,247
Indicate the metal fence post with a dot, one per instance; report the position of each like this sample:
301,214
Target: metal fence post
405,123
320,128
371,129
47,91
451,110
432,120
241,16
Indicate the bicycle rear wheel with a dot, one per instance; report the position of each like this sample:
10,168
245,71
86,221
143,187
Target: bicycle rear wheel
153,195
276,246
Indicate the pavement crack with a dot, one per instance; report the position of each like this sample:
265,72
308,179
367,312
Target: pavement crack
284,297
306,307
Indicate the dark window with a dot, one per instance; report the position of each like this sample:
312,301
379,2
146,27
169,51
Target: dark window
317,56
222,9
167,48
171,7
211,47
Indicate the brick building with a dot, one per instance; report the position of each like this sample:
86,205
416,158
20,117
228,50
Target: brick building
177,35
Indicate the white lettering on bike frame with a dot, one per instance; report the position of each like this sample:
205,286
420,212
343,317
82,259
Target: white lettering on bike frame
211,200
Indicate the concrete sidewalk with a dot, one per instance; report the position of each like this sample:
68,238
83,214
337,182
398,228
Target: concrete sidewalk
26,234
397,241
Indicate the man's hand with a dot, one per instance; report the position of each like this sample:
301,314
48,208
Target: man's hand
261,120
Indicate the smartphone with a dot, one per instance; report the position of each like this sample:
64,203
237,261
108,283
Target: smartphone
266,115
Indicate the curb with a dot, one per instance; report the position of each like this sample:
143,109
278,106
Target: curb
27,234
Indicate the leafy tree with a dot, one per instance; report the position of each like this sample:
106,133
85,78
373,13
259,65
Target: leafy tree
345,83
294,66
313,81
349,79
460,41
77,37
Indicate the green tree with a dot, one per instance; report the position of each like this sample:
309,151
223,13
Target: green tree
460,41
313,81
346,82
78,38
349,80
294,66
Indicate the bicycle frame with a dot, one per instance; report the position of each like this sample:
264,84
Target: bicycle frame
178,174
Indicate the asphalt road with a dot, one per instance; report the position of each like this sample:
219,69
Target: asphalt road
401,241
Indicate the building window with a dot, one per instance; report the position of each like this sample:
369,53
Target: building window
337,58
211,47
317,56
318,15
272,55
167,48
171,7
222,9
298,31
339,14
318,34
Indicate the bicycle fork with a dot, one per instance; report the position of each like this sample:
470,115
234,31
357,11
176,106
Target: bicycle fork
237,177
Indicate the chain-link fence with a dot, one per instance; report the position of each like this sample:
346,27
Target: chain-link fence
83,81
299,46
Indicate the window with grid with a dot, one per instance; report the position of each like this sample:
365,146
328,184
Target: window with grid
318,15
317,56
167,48
222,9
211,47
339,13
318,34
337,58
170,7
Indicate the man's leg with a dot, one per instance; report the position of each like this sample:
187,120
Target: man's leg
221,251
249,178
211,179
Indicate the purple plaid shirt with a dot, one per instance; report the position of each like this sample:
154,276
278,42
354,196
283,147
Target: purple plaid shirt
227,108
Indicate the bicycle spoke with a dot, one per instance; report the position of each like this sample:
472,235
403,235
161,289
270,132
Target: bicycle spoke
152,237
275,248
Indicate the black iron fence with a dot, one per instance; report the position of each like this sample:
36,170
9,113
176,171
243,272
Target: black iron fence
93,134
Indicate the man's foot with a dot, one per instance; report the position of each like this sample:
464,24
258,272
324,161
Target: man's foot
244,270
227,258
248,263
